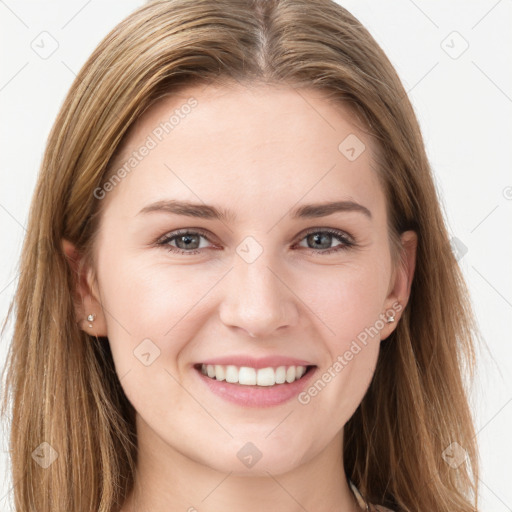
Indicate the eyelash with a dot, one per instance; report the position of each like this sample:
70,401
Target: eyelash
347,241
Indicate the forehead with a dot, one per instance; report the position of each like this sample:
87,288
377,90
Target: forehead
276,143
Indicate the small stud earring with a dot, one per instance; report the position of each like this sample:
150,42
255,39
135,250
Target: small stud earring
390,319
91,318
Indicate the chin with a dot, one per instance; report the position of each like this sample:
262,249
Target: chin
257,458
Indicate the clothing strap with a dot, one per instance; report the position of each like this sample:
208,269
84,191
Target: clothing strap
363,504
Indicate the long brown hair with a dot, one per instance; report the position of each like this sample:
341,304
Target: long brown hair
61,382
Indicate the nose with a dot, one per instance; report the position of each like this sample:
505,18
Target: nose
258,300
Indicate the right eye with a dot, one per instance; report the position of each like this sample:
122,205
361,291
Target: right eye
187,241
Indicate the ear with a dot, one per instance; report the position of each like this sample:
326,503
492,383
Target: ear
400,285
85,292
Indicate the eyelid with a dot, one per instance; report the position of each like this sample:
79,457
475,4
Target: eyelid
302,234
338,232
347,240
183,231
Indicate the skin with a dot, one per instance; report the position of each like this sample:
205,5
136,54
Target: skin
259,151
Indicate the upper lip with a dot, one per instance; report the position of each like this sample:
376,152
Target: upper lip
260,362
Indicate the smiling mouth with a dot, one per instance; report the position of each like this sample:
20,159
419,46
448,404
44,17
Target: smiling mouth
248,376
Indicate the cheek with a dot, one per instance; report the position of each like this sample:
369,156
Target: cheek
151,296
347,298
147,301
152,313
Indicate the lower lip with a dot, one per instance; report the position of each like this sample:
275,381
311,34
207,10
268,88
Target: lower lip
257,396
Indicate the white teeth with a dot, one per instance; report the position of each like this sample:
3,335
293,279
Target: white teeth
247,376
281,375
231,374
220,373
266,377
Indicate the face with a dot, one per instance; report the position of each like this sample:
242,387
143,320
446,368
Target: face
216,248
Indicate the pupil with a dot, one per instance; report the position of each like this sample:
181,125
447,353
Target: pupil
317,238
189,239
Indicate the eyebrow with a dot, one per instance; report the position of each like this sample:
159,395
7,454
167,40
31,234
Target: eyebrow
204,211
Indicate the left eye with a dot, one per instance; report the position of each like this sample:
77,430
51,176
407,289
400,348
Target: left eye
326,237
189,242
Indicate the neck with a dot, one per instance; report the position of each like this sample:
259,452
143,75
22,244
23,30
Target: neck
168,481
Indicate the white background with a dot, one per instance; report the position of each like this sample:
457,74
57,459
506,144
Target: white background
464,105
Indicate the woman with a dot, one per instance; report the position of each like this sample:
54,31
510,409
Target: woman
237,288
